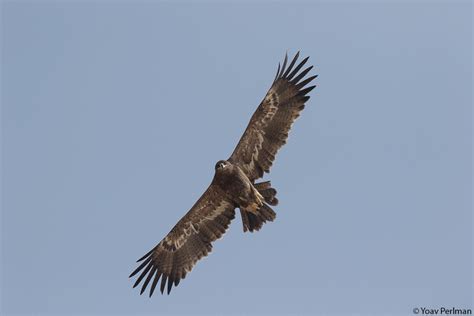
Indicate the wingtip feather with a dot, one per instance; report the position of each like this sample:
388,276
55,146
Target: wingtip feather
278,71
170,285
307,90
146,255
295,71
163,283
290,67
141,266
305,82
301,75
283,67
155,281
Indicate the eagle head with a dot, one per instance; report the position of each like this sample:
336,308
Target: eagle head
222,164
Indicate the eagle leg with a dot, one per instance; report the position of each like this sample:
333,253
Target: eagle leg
253,219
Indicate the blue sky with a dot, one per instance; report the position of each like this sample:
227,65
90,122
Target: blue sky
114,114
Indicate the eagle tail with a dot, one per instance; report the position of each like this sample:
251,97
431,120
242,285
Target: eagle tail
266,190
254,221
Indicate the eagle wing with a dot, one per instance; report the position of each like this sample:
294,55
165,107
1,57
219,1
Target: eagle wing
188,241
268,128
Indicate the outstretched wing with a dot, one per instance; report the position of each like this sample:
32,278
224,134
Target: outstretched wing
268,128
187,242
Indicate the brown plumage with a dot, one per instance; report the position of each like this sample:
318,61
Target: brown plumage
268,129
233,185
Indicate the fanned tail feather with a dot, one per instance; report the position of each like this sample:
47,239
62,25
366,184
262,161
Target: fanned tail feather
253,222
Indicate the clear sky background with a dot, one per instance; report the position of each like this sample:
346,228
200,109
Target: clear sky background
114,114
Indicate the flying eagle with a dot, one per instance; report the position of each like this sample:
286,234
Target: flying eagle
233,185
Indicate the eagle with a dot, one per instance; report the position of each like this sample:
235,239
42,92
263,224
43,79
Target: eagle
234,184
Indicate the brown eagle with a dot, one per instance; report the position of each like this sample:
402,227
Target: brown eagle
233,185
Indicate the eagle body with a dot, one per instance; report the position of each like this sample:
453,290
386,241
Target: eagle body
233,185
237,187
